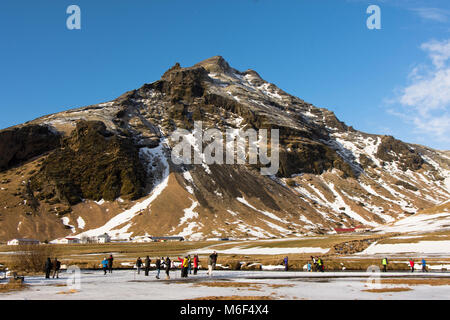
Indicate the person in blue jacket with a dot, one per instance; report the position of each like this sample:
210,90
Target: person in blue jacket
105,265
424,265
286,264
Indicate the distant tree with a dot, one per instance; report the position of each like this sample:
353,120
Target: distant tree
31,257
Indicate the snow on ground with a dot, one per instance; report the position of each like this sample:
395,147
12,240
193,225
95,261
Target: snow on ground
340,203
427,247
189,215
187,176
419,223
269,214
81,223
102,201
127,284
65,221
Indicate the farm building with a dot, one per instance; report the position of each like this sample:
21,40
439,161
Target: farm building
68,240
16,242
104,238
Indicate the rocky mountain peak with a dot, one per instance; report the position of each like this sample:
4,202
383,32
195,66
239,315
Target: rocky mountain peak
216,64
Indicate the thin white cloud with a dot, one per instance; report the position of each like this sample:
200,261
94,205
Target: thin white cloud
439,51
434,14
425,102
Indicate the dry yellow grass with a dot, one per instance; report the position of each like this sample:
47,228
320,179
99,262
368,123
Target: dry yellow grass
416,282
437,209
387,290
12,286
276,286
229,284
68,292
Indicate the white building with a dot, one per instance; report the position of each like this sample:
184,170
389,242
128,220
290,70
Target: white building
71,240
68,240
16,242
104,238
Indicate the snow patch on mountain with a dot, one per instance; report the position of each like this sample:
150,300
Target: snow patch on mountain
269,214
155,154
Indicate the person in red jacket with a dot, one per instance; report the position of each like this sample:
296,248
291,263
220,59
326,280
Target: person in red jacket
411,264
195,264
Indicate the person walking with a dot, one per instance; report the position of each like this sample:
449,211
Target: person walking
189,269
384,262
184,266
424,265
286,263
212,260
56,268
314,260
147,265
320,264
195,264
48,268
105,265
411,264
138,265
167,265
308,267
110,263
158,267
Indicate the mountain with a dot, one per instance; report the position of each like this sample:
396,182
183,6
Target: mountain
107,167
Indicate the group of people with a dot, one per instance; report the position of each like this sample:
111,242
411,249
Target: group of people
50,266
424,265
107,264
316,264
188,264
160,263
385,263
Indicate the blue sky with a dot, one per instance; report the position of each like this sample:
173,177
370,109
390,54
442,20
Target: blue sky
391,81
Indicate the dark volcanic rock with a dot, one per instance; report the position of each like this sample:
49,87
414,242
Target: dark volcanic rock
92,163
311,157
23,143
391,149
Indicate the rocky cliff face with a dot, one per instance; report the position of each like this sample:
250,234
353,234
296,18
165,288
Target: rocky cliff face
107,167
92,163
21,144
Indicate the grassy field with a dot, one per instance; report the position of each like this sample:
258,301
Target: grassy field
320,242
90,255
